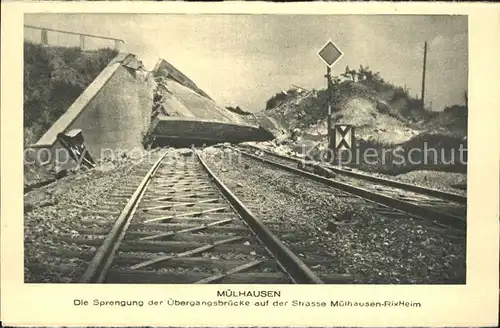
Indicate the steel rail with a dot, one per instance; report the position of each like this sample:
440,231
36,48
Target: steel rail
298,271
98,267
391,183
421,212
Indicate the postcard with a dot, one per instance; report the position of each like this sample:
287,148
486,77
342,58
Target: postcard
250,164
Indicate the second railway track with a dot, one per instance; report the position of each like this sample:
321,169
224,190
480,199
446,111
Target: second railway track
428,204
182,225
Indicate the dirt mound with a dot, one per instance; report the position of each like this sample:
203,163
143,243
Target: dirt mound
372,122
453,121
385,118
373,117
379,110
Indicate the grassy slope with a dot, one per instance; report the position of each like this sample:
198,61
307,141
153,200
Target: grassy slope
53,78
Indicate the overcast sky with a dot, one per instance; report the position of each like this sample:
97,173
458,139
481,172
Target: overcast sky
244,59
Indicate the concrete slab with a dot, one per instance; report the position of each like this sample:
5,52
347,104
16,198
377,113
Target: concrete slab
196,105
164,68
114,115
189,117
183,131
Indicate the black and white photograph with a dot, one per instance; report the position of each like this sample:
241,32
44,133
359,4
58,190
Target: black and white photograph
245,149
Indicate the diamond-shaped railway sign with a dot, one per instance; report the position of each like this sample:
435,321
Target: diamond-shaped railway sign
330,53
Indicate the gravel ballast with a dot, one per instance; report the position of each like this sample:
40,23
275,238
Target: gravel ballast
381,249
55,213
455,183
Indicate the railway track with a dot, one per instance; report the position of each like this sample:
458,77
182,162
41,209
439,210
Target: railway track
183,225
372,178
390,197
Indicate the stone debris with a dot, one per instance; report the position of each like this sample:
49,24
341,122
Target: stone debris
332,227
185,152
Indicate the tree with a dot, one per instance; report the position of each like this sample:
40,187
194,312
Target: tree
350,74
353,74
364,73
369,76
361,73
347,73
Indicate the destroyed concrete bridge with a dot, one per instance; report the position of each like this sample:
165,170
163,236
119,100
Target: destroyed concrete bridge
128,108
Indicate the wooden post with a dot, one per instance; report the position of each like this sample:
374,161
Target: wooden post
45,39
423,76
118,44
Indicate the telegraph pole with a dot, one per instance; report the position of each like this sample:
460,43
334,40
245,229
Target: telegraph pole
423,75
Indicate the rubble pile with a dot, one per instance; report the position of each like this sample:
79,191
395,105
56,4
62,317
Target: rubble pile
158,97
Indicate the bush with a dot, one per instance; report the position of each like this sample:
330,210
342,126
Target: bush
399,93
